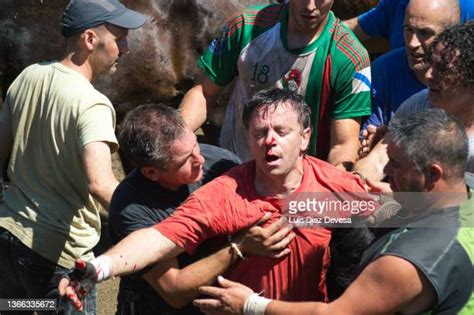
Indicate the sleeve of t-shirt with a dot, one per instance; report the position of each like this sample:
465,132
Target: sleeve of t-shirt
375,22
351,81
97,123
219,61
207,213
128,220
376,119
378,116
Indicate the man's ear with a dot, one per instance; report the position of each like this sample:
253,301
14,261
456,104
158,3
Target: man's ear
435,173
89,39
150,172
306,133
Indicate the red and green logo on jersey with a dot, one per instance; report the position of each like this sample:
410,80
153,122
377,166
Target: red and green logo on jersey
292,80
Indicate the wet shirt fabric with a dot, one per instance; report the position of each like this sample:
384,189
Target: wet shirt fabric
230,203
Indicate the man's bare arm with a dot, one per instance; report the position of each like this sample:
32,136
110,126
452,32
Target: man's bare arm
180,286
388,285
197,101
101,180
140,249
344,143
354,26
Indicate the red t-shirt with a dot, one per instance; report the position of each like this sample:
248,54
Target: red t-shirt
230,203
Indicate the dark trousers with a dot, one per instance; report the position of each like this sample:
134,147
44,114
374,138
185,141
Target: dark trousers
26,274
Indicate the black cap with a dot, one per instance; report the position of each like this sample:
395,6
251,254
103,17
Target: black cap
83,14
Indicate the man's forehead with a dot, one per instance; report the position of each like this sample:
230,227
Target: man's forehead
281,116
423,21
278,110
428,13
184,145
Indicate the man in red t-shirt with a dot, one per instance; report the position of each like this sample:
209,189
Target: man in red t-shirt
278,129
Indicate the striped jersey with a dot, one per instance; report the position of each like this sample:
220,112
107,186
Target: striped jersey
332,72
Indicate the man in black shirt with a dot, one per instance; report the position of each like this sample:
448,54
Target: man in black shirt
169,165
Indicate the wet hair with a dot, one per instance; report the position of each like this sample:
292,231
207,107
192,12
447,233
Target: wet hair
274,97
432,136
457,54
147,133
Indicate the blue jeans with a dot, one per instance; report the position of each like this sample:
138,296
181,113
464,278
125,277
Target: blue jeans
26,274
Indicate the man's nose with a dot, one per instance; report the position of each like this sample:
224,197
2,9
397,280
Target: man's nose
310,5
197,156
270,138
200,159
412,41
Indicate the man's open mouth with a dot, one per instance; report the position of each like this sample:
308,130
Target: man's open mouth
271,158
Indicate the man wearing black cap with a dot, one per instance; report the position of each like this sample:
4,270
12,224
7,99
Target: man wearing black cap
60,133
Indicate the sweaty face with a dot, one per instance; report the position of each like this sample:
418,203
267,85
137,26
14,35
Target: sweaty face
111,46
277,140
186,164
423,21
306,16
447,93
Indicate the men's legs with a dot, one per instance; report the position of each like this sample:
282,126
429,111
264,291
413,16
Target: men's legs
29,275
9,285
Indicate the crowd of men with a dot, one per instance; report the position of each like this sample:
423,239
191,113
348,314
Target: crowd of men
308,117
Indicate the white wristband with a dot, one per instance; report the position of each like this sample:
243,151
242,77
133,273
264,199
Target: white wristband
103,267
256,305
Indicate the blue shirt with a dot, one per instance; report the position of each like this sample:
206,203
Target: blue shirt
387,18
392,83
386,21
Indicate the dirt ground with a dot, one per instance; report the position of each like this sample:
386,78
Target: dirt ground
107,297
